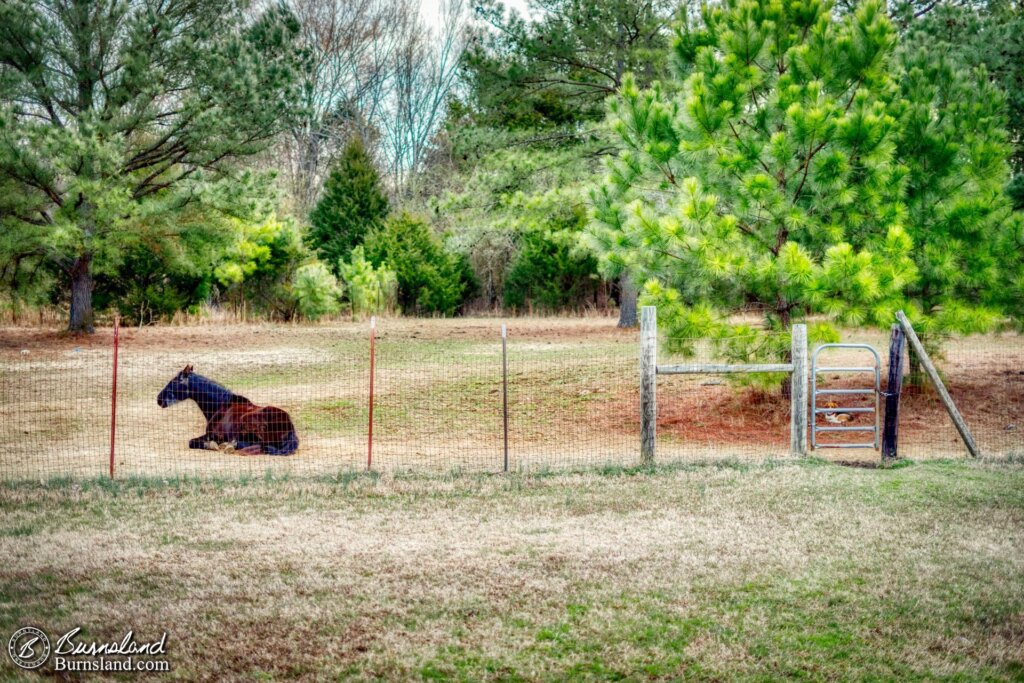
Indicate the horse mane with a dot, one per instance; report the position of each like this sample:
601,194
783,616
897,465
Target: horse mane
211,396
205,383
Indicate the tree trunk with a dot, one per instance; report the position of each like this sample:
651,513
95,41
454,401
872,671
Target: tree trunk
309,162
786,321
627,301
786,385
915,379
81,295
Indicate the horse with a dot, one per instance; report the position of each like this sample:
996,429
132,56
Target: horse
230,418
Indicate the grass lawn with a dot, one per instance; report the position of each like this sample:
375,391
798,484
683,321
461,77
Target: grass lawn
719,571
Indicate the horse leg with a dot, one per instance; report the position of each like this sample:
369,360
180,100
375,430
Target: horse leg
243,448
199,442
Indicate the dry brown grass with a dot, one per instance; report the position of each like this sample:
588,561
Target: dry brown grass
713,572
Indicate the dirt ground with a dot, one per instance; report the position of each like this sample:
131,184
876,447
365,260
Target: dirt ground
573,398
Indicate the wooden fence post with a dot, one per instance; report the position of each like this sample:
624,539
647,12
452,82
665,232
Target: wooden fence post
893,388
648,383
798,392
933,375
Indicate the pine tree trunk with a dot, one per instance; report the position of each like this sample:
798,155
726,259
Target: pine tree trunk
81,295
628,294
786,387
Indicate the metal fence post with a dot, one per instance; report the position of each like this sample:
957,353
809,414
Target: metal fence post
504,389
798,392
369,435
113,397
648,383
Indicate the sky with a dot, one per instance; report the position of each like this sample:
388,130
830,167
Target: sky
432,8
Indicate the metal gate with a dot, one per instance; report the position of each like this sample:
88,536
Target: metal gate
835,410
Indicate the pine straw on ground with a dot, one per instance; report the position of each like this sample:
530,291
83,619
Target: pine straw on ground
720,571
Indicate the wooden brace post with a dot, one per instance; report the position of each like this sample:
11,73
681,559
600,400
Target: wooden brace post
933,375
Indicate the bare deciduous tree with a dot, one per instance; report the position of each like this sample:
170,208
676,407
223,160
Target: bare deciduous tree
352,46
424,74
380,71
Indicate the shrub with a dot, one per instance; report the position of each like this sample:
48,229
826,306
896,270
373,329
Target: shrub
259,269
316,291
430,279
551,272
370,290
153,283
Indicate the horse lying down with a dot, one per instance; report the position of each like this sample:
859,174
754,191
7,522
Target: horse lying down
231,420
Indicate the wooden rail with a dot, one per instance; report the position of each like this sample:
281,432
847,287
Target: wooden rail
649,371
714,369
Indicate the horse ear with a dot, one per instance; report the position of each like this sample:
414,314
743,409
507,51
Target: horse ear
187,371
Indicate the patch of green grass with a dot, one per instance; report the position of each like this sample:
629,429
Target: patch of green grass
19,530
332,417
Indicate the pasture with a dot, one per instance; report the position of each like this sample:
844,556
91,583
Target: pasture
719,571
572,398
728,560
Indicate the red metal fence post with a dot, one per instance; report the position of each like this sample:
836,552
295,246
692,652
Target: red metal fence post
113,397
504,390
369,438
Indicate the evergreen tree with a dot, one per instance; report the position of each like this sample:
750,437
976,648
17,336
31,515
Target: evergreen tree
515,201
989,35
116,117
953,143
775,180
351,206
430,279
558,68
527,137
955,58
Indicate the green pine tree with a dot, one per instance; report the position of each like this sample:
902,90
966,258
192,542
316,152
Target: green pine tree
955,145
989,34
557,68
777,180
120,120
953,142
527,142
352,205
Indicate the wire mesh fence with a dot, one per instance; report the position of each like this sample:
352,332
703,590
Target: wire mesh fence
709,415
985,377
440,403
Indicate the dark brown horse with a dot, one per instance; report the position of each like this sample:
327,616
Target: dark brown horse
230,418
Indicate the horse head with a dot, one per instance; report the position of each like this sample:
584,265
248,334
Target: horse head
178,389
